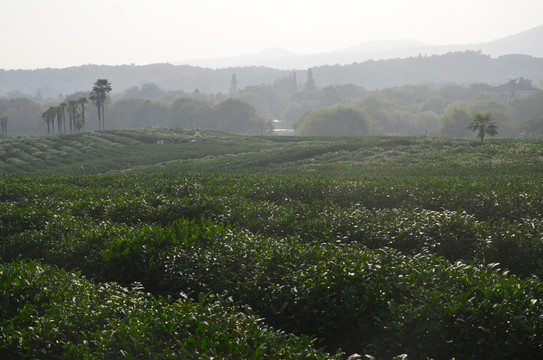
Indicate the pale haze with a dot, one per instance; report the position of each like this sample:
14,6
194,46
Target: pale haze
63,33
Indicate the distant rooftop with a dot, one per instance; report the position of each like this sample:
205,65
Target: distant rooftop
515,85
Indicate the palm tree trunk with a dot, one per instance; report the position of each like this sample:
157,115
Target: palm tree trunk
83,116
99,115
103,117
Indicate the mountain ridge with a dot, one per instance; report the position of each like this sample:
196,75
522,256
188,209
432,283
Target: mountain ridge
525,43
390,66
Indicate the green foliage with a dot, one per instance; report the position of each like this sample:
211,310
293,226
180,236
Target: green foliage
98,96
292,112
533,128
23,114
48,313
232,115
483,124
381,113
190,114
436,255
135,113
336,121
454,122
239,117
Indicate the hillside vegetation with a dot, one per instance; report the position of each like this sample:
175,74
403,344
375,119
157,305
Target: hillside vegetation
239,247
118,151
462,67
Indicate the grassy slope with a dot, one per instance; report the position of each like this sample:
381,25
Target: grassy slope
137,151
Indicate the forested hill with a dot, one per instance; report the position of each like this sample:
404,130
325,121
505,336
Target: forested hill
52,82
458,68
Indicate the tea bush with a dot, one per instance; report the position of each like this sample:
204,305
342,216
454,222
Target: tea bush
48,313
269,206
411,247
356,298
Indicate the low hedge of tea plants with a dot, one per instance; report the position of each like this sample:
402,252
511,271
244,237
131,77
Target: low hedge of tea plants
47,313
377,265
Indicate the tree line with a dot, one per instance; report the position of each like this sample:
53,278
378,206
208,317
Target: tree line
415,110
298,103
196,112
453,68
76,109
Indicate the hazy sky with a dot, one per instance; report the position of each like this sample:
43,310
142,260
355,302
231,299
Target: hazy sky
62,33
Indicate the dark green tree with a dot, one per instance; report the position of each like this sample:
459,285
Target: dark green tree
532,128
234,115
45,118
59,112
80,124
292,113
190,114
233,84
329,96
334,121
484,125
62,109
98,95
4,124
285,87
310,85
381,114
49,117
72,113
454,122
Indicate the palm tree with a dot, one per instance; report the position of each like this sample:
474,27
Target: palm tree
4,124
49,117
46,117
484,124
72,113
63,107
95,98
60,116
98,95
83,102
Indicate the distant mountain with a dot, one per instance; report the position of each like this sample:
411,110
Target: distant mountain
286,60
261,58
381,46
52,83
370,65
525,43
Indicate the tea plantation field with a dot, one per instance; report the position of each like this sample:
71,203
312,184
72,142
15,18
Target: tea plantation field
113,246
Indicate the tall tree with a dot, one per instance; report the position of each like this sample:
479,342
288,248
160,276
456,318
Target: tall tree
4,124
233,84
46,119
453,122
52,113
83,103
310,85
72,113
58,112
99,95
336,121
484,124
94,97
49,117
63,107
